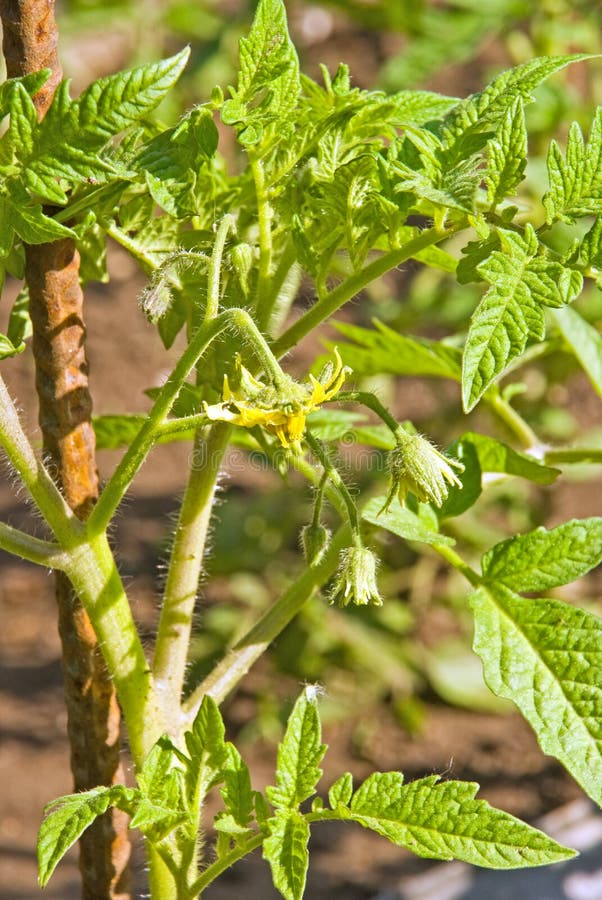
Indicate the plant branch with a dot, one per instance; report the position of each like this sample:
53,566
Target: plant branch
43,553
239,321
224,862
228,672
34,475
458,563
185,565
264,297
512,420
336,298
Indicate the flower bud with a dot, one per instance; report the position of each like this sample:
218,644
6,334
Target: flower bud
314,540
417,466
356,579
242,260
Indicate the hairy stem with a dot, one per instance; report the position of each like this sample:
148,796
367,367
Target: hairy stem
229,671
220,865
336,298
237,320
264,296
458,563
512,420
92,570
44,553
185,565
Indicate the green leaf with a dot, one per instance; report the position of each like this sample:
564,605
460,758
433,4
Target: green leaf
8,349
32,84
19,322
402,521
113,431
207,749
495,456
236,792
68,817
71,133
546,656
576,179
161,807
461,498
584,341
340,792
511,312
268,80
173,160
285,849
421,107
333,424
543,559
383,351
507,155
488,107
299,755
444,821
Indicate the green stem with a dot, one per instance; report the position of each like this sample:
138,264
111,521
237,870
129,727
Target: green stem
220,865
336,298
283,287
264,295
40,486
577,455
335,477
240,322
370,401
162,882
458,563
228,672
185,565
513,420
147,262
44,553
93,573
215,267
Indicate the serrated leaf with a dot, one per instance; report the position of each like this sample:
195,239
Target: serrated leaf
268,81
543,559
71,133
511,312
507,155
299,755
384,351
402,521
157,820
489,106
339,794
32,84
546,656
444,821
68,817
495,456
584,341
236,792
172,162
285,849
206,746
420,107
575,179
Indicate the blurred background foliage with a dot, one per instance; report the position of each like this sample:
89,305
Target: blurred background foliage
417,646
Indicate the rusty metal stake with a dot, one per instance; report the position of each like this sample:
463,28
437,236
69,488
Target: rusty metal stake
30,38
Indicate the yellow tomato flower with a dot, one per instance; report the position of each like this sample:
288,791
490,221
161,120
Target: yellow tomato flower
282,411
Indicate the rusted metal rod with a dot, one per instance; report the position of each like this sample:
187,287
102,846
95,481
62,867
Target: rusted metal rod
30,39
